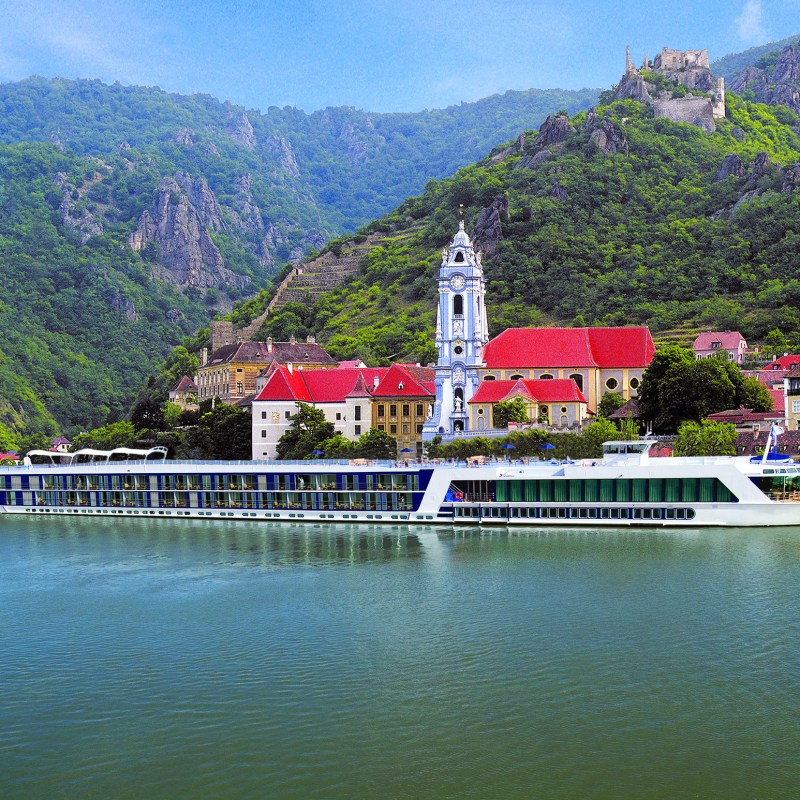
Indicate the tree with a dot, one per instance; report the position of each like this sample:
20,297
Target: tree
665,364
107,437
705,438
308,432
677,387
513,410
610,402
223,433
376,444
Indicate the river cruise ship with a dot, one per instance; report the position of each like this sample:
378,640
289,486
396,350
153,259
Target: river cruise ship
626,487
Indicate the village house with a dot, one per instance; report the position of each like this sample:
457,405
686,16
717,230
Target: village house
712,343
184,394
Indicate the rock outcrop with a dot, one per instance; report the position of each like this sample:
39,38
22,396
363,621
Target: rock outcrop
604,135
554,130
285,155
240,130
488,230
179,227
778,85
731,165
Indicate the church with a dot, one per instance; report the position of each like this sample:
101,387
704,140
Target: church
582,363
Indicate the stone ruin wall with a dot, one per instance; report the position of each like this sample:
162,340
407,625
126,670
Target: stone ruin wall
669,60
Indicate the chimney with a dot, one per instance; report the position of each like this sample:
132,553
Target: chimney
289,366
292,339
375,381
310,340
269,344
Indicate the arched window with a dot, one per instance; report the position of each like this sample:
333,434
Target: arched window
516,377
459,257
458,305
578,378
546,377
488,377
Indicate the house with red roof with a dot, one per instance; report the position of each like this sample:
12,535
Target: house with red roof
557,401
350,398
598,360
401,404
184,394
712,343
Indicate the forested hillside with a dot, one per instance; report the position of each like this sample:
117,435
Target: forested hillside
129,216
612,217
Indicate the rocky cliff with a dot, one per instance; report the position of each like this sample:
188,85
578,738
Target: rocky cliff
773,81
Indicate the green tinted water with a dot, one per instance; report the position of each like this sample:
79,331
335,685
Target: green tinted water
192,659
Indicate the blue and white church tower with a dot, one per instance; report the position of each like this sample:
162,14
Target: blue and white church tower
461,334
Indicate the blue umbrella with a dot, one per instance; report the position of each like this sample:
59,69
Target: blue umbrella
507,447
317,453
548,446
406,450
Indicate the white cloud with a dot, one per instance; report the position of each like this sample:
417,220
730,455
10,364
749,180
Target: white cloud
750,22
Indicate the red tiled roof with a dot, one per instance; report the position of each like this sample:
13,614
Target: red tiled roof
542,391
185,384
570,348
777,399
335,385
405,380
740,415
784,363
285,385
729,340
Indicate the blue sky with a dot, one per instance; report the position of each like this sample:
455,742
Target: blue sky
404,55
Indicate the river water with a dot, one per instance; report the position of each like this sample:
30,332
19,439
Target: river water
166,659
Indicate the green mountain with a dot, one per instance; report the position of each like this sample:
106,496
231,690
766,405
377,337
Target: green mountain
129,216
613,217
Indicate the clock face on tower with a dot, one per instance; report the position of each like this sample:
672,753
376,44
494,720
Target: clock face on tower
457,282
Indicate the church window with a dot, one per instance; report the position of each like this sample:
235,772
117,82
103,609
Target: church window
480,411
489,377
634,383
459,257
516,377
563,409
546,377
458,305
578,378
611,384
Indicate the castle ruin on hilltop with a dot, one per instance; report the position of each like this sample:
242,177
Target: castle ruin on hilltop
694,96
